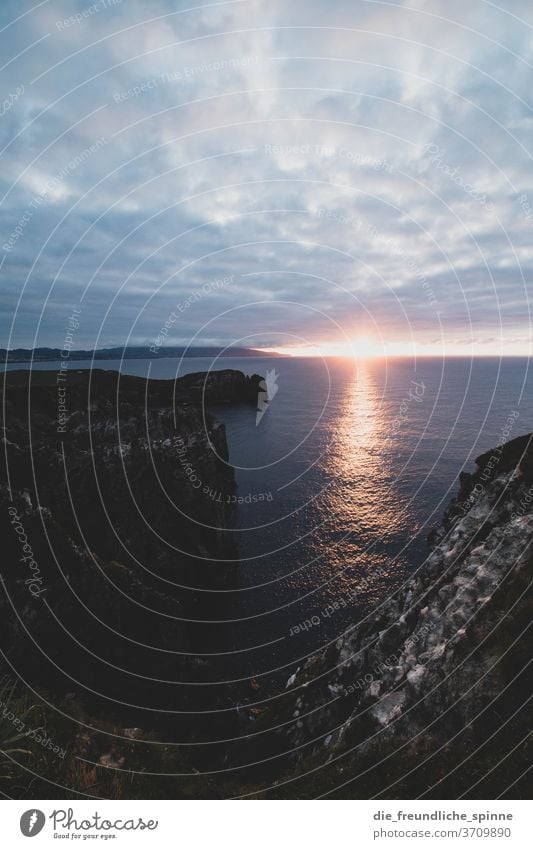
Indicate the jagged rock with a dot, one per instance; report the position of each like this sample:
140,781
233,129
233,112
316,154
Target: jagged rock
447,647
123,500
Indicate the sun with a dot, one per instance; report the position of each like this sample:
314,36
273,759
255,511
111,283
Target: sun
363,348
358,348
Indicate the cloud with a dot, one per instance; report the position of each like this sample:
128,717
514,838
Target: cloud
371,164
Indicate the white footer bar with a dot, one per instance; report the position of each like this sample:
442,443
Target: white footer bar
267,824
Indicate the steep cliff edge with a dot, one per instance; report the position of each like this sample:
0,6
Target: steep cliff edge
430,694
112,521
108,525
128,462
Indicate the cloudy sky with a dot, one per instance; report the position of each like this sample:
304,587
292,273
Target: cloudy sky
268,173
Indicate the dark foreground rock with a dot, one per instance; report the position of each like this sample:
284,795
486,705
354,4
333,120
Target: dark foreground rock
113,535
115,525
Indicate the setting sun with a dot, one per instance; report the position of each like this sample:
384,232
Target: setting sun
359,348
364,348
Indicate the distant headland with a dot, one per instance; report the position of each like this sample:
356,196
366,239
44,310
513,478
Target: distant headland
28,355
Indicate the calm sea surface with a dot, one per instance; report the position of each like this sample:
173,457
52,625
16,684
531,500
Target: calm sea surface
340,482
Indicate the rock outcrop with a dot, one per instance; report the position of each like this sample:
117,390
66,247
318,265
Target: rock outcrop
109,522
428,695
112,514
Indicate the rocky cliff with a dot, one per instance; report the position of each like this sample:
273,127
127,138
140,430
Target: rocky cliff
110,529
429,694
111,519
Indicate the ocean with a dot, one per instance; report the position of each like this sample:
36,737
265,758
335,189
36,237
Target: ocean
339,482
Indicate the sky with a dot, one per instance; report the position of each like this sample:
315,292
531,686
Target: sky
304,176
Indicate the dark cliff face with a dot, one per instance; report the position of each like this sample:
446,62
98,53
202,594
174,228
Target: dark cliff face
131,464
429,694
108,490
113,533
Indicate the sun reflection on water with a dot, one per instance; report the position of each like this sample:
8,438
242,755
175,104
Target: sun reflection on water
363,493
